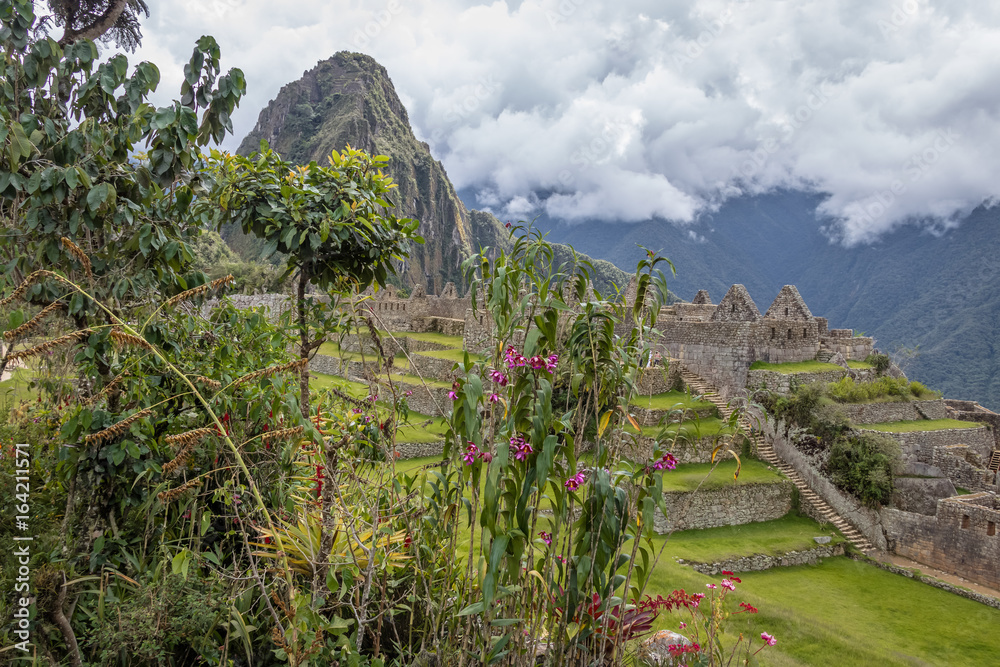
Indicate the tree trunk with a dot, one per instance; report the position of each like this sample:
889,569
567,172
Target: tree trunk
303,344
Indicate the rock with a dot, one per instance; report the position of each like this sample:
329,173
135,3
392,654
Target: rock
653,651
839,360
822,539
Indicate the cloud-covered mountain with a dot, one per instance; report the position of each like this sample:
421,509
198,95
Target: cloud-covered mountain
640,110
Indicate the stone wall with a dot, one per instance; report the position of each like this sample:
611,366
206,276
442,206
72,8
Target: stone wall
965,468
641,448
415,450
783,383
876,413
960,539
973,412
726,506
919,445
865,520
760,562
433,368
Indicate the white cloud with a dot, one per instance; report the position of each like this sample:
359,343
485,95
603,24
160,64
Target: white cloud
639,109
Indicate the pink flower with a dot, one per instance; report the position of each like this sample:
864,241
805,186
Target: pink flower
494,398
498,377
550,364
373,397
471,452
683,625
727,584
356,411
520,447
408,393
507,224
514,358
536,362
453,395
768,639
712,586
486,456
576,481
546,537
666,461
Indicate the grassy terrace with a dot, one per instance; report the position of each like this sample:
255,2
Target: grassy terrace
812,366
693,428
458,356
921,425
687,477
671,400
455,342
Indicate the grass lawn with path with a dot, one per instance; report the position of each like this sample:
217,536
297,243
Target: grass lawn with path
671,400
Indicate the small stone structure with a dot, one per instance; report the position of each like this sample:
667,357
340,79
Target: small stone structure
760,562
961,538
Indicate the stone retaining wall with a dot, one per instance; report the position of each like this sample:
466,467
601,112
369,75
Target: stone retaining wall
964,468
865,520
726,506
760,562
877,413
416,450
919,445
783,383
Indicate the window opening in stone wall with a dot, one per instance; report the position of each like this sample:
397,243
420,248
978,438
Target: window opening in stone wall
774,333
965,521
991,528
732,308
789,334
804,334
786,312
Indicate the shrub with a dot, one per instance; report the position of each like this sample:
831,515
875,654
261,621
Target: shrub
880,362
846,390
864,466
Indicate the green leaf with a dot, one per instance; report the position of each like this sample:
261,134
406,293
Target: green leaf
474,608
19,143
97,196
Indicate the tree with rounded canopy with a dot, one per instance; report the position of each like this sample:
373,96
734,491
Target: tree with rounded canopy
333,224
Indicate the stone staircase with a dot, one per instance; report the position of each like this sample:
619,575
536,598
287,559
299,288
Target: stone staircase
767,454
994,464
824,354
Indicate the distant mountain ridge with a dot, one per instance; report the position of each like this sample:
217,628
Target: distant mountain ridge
911,288
349,99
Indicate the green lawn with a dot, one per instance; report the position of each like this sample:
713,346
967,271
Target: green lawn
323,381
920,425
671,400
415,380
812,366
441,339
693,429
420,429
688,476
860,365
844,612
458,356
331,349
15,389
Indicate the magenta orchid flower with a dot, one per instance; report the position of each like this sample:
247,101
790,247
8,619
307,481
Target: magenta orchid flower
498,377
453,395
471,453
768,639
546,537
494,398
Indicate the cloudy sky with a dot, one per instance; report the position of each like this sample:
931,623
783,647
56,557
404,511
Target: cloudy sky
639,109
